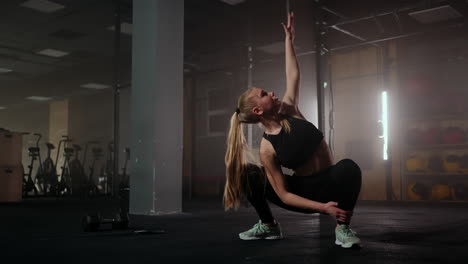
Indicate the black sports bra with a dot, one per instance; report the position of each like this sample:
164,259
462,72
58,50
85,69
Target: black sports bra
293,149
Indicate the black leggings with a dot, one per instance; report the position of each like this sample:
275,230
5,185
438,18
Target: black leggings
340,183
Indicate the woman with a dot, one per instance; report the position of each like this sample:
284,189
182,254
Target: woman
317,185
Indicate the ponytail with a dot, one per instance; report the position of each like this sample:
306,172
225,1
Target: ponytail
234,160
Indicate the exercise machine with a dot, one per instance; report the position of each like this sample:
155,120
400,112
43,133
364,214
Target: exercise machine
64,179
78,177
49,171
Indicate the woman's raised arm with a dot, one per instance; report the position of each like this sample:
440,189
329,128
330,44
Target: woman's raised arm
292,66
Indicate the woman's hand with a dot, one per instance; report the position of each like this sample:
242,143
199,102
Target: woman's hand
289,28
340,215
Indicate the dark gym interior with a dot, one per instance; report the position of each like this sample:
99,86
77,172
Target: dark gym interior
114,116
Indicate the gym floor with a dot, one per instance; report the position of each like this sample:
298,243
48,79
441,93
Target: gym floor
392,232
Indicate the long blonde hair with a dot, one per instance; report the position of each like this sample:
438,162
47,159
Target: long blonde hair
238,152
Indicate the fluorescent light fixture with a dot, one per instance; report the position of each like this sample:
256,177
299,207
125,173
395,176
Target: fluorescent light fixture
125,28
2,107
384,122
96,86
42,5
53,53
39,98
5,70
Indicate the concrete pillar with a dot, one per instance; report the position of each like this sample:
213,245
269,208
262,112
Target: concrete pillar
157,107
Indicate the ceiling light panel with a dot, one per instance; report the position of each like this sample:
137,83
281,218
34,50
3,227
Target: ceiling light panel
53,53
39,98
34,67
43,5
96,86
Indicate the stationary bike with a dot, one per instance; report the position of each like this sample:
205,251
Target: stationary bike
64,181
28,182
37,184
93,188
49,172
77,173
107,173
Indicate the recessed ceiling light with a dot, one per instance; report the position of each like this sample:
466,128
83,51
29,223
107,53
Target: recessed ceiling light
53,53
2,107
43,5
233,2
39,98
125,28
5,70
96,86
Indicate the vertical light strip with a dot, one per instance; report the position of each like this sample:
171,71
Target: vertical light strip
384,122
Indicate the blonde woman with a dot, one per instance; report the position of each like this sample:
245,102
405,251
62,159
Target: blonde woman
317,186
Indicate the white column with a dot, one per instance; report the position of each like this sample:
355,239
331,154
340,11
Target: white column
157,107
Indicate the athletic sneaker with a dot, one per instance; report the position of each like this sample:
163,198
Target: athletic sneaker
345,237
262,231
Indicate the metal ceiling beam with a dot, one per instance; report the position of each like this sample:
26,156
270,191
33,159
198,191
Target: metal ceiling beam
400,36
348,33
341,29
334,12
354,20
460,5
456,25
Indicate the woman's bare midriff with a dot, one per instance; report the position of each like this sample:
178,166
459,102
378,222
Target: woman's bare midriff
319,160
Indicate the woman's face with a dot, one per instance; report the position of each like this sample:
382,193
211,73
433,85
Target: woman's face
266,101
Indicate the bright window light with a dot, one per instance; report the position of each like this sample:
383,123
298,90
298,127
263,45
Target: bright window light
384,122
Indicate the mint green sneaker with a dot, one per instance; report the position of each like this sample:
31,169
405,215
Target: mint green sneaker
345,237
261,231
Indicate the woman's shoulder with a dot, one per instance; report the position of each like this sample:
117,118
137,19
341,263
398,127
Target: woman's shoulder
266,148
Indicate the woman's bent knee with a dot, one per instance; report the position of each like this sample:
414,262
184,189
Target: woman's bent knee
350,166
350,170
